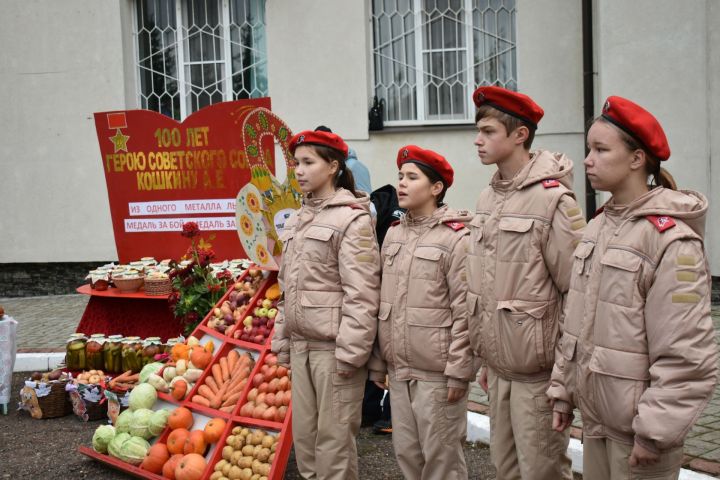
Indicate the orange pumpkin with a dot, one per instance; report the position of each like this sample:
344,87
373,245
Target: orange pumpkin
168,470
191,467
176,440
214,430
181,417
180,351
156,457
179,389
195,443
273,292
200,357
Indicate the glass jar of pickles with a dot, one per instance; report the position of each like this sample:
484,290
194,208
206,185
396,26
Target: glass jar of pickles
167,346
94,352
131,354
75,352
151,347
112,354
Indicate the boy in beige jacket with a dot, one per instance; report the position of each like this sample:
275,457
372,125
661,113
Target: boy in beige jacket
526,226
422,340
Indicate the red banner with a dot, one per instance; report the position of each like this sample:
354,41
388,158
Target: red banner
161,173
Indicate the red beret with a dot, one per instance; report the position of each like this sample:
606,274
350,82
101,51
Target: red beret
638,123
428,158
326,139
513,103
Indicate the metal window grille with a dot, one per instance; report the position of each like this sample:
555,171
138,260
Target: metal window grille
192,53
430,54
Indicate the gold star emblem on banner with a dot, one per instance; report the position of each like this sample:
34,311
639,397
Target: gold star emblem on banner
120,141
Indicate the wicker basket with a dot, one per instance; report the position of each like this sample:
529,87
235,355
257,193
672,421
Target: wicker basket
95,410
55,404
158,286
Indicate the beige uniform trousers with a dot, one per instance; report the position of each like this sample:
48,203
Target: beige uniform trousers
327,410
523,445
428,432
606,459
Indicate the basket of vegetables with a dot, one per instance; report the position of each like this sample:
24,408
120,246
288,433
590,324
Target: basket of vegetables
88,395
44,395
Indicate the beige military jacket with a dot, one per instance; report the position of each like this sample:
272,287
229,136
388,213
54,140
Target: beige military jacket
422,331
638,351
330,278
518,267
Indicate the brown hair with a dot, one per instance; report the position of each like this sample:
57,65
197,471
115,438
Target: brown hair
345,178
434,177
660,176
508,121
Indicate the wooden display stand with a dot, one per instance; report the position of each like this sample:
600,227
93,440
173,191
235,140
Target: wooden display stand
129,314
203,414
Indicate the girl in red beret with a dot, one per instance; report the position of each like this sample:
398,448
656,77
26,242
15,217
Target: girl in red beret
423,345
638,349
327,322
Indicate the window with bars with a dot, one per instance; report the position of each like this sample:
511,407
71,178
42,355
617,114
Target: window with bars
430,54
193,53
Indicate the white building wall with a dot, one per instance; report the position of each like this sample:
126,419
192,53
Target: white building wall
59,63
658,54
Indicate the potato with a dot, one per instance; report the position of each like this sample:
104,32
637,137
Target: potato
226,469
256,476
257,438
256,450
235,473
245,462
263,478
219,465
246,474
227,452
230,440
239,443
248,450
268,441
94,379
245,432
236,430
216,476
271,458
236,456
274,447
263,454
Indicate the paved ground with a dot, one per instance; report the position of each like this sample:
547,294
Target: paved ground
44,323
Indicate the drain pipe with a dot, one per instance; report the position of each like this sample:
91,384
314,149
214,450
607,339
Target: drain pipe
588,95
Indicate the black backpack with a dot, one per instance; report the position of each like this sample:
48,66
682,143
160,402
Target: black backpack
388,210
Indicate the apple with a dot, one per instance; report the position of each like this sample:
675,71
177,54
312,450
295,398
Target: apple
248,321
259,339
247,329
267,303
272,312
256,322
262,312
270,325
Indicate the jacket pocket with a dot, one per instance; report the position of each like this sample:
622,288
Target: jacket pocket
390,257
426,263
321,313
618,379
514,239
568,349
582,259
428,338
520,335
385,334
316,245
618,282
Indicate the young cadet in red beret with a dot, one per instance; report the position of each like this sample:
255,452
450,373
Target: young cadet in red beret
526,226
327,322
638,348
423,344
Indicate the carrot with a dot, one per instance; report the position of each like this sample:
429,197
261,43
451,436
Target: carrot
227,409
232,399
206,392
200,400
210,382
233,358
217,373
236,388
124,377
216,400
224,369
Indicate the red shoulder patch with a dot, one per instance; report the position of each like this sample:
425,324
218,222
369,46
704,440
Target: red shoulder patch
599,211
550,183
356,206
396,222
455,225
661,223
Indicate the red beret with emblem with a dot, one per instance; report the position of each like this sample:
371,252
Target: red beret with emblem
428,158
513,103
639,124
318,137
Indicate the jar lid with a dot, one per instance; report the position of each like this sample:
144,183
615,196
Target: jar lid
115,338
152,341
76,336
